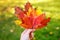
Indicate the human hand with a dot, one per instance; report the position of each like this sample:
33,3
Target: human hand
27,34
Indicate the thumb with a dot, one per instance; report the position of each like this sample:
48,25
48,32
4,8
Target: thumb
29,30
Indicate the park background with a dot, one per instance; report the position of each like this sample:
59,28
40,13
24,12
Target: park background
9,25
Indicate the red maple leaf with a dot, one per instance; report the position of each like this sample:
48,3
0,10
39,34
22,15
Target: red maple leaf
30,20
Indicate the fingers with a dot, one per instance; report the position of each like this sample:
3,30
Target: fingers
26,33
29,30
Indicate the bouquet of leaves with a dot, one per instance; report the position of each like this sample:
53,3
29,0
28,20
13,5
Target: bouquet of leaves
31,18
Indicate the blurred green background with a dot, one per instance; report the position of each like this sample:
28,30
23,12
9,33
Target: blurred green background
10,31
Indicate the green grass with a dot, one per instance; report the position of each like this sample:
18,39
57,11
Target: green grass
7,23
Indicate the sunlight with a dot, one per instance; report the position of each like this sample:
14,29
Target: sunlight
36,1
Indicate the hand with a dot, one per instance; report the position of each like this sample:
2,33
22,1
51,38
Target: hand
27,34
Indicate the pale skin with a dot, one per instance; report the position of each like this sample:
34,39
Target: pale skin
27,34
